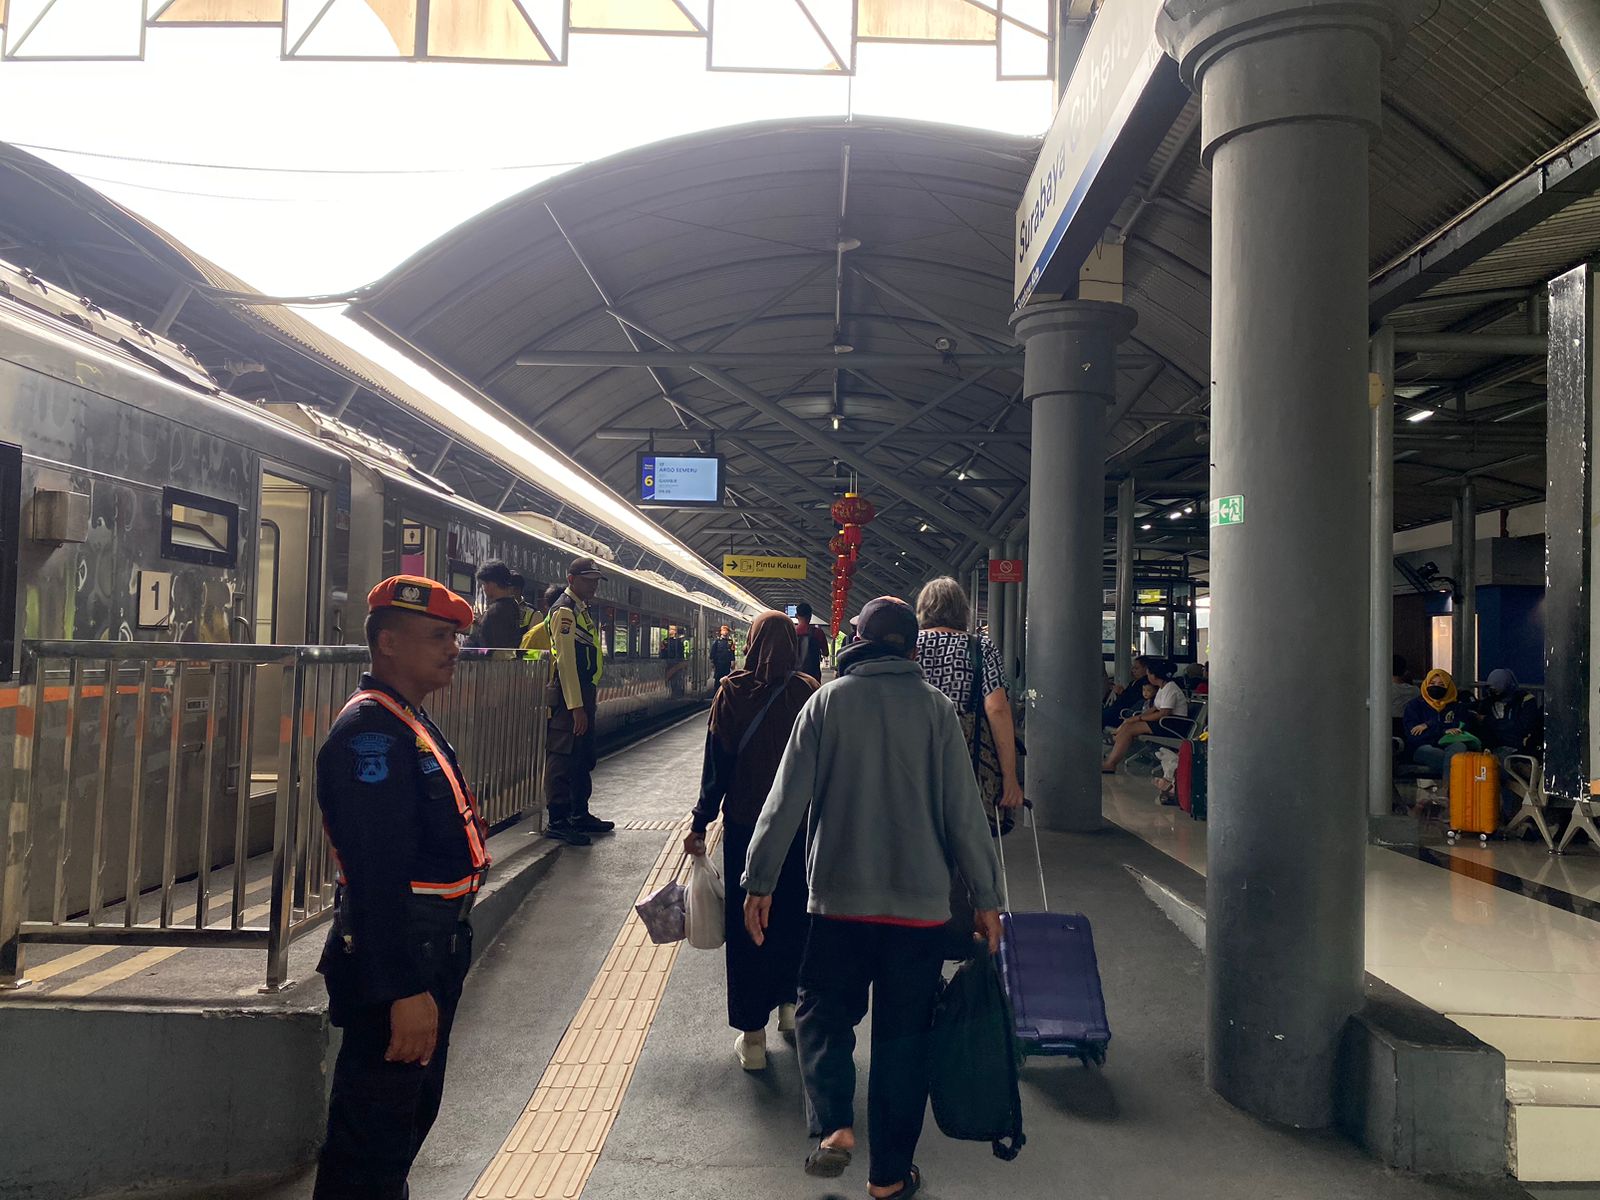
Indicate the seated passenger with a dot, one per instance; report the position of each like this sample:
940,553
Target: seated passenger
1169,701
1126,698
751,717
877,759
1509,721
1434,715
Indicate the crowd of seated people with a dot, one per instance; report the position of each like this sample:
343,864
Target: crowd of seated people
1436,724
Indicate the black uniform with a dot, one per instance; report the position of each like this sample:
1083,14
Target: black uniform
411,857
722,656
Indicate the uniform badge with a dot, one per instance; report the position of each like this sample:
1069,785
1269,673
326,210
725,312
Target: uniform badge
372,756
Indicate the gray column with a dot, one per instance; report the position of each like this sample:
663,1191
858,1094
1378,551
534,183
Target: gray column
1380,666
1466,608
1008,648
1571,727
973,595
1290,103
1069,378
1126,535
994,606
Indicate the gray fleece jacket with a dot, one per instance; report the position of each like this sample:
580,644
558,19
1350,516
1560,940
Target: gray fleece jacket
878,758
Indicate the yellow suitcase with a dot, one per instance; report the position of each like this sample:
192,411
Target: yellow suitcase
1474,795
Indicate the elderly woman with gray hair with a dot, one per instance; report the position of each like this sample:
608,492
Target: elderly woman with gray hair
966,668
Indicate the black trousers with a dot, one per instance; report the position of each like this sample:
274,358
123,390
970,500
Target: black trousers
379,1113
569,767
900,966
762,977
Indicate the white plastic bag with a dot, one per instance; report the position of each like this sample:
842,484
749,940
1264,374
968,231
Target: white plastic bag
704,900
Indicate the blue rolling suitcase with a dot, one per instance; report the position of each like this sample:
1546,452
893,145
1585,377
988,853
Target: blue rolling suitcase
1051,976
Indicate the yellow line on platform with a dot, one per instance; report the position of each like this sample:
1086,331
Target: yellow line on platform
557,1141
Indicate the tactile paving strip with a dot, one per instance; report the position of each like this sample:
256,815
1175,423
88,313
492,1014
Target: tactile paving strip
653,825
557,1141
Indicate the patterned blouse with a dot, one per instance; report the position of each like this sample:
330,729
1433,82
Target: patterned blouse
946,661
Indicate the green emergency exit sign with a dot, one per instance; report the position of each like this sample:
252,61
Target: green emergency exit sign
1227,510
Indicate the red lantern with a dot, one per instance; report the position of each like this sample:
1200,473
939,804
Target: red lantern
844,566
852,509
838,544
852,537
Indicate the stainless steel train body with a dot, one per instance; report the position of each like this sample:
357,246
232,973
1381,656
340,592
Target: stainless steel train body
139,503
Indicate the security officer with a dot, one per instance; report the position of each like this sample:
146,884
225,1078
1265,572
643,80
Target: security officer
571,696
410,846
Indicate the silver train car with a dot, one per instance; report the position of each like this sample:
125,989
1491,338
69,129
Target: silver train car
139,502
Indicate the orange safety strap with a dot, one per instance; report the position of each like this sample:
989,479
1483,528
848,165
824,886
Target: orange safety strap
469,814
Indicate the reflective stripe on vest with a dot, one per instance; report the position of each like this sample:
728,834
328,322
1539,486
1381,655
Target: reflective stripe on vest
464,806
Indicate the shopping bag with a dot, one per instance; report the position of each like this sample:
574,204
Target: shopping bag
705,924
972,1064
663,913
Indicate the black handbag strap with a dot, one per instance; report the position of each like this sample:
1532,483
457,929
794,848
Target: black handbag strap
761,716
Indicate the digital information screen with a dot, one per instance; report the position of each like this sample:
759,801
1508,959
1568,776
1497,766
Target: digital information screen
680,480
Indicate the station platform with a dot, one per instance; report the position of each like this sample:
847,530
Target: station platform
587,1062
1501,938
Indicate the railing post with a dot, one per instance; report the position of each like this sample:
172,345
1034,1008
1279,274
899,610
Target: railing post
282,913
14,885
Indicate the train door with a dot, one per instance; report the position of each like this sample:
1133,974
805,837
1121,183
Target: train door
287,607
10,553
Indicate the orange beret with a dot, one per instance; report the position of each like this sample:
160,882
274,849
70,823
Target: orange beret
413,593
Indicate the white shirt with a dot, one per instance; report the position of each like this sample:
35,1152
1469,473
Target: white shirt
1171,697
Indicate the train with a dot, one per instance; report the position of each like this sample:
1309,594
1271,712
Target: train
140,501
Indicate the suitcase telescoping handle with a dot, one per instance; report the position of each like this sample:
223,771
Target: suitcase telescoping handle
1032,821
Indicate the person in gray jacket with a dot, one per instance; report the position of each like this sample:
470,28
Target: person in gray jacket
877,759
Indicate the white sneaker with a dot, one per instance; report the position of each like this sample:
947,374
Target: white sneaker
751,1049
785,1018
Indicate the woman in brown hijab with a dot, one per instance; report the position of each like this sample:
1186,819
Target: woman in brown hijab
751,717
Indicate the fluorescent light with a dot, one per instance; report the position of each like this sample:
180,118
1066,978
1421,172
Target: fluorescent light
836,424
1422,414
1146,527
962,475
1173,516
1190,509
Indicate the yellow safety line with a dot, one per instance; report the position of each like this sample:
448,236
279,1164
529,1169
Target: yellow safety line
117,972
557,1141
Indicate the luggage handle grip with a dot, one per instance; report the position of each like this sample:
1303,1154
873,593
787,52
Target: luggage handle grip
1032,821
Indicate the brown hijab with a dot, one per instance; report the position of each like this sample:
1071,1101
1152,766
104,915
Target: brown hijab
769,674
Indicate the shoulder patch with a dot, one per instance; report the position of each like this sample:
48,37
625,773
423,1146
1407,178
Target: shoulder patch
371,751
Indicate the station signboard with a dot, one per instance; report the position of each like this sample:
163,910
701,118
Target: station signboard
761,566
1005,570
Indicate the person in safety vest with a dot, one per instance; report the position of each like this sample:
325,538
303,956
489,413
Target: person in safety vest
527,614
411,852
571,697
536,641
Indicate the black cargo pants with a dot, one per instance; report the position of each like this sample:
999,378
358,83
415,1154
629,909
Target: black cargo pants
379,1113
569,764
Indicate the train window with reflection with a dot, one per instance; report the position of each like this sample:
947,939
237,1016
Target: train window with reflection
198,529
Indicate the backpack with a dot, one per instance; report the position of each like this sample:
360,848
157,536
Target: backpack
973,1062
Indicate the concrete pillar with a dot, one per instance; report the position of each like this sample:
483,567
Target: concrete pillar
1290,103
1008,650
1069,378
973,595
1380,665
1466,608
1571,727
994,607
1126,535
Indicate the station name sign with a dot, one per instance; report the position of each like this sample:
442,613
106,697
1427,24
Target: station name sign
1123,83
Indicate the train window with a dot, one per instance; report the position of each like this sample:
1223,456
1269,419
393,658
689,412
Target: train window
198,529
267,552
463,578
10,548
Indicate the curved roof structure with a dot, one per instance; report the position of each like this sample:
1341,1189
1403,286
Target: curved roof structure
696,291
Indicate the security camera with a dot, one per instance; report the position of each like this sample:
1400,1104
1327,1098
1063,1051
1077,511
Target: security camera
944,345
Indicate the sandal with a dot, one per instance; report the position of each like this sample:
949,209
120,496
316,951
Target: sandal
909,1186
828,1162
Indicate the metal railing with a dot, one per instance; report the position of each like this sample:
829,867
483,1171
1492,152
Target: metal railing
179,780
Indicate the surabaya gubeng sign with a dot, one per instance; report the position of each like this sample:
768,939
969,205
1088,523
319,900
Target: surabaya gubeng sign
1119,59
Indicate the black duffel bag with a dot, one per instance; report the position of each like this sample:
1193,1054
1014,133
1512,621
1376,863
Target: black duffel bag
973,1063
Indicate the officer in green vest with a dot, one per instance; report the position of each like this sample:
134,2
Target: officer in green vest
572,695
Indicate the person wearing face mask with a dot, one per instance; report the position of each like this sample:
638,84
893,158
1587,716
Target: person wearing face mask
1431,717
